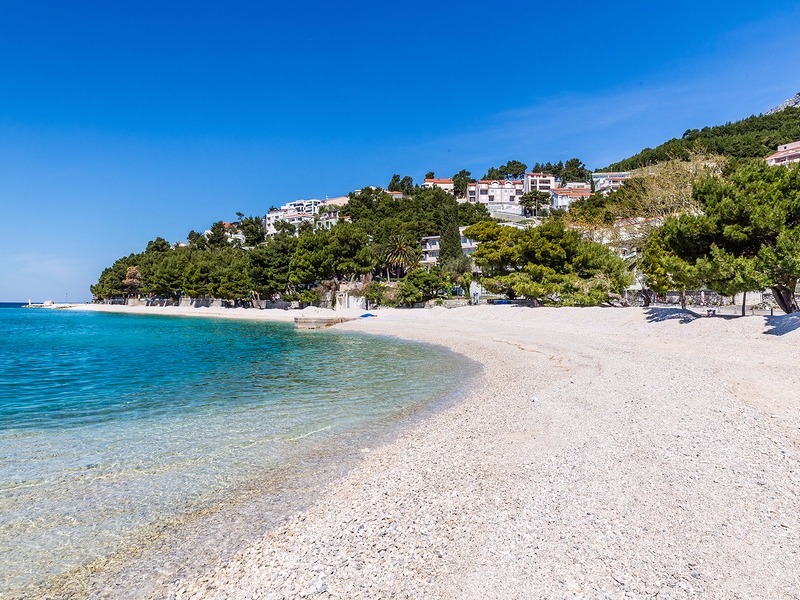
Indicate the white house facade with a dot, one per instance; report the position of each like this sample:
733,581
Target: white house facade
607,182
499,195
539,182
562,197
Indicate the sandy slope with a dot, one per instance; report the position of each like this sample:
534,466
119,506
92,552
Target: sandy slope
602,453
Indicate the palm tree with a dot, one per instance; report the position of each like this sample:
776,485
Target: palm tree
400,254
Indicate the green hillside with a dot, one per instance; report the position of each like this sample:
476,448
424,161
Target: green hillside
753,137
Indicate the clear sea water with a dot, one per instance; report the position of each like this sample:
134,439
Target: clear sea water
115,429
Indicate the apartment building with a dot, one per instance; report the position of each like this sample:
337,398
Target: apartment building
539,182
432,244
609,181
787,153
296,213
499,196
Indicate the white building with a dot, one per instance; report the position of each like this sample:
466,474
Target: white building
609,181
446,184
539,182
296,213
326,219
431,246
430,250
499,196
563,197
787,153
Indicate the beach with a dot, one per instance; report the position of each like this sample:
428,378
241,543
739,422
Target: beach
601,452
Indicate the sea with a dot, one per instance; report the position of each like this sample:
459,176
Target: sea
138,449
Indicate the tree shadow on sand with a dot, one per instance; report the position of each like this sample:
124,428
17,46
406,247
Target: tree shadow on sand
657,314
782,324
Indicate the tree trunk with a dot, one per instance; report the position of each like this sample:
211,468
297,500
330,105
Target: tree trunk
744,301
785,298
683,300
646,298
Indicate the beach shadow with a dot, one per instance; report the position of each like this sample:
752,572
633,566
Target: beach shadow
782,324
657,314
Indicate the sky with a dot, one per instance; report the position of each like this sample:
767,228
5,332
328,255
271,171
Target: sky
123,121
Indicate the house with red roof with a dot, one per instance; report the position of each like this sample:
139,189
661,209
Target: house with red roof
446,184
787,153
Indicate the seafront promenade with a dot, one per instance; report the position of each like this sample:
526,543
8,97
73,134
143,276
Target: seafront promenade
601,453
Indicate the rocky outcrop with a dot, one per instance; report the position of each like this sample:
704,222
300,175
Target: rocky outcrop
792,102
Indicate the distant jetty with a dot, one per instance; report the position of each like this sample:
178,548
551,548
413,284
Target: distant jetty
46,304
317,322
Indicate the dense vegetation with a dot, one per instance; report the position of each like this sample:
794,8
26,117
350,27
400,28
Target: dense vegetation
382,240
753,137
550,264
746,236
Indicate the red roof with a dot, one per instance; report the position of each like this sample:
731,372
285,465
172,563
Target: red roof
576,192
785,153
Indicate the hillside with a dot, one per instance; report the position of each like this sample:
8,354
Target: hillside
753,137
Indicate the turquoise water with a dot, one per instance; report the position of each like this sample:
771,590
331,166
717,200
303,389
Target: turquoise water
112,424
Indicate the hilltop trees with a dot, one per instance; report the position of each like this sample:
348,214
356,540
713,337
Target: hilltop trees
572,170
513,169
253,230
753,137
405,185
216,237
460,182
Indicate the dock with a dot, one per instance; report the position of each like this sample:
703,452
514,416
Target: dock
319,322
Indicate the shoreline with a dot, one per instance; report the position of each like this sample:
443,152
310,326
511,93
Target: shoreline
601,452
267,499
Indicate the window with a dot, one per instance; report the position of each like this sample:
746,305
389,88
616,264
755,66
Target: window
491,198
484,192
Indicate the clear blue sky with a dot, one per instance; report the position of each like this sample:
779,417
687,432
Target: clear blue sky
122,121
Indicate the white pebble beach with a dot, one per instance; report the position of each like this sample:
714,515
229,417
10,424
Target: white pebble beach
600,453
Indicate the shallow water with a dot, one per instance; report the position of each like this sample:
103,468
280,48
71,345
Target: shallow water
115,426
